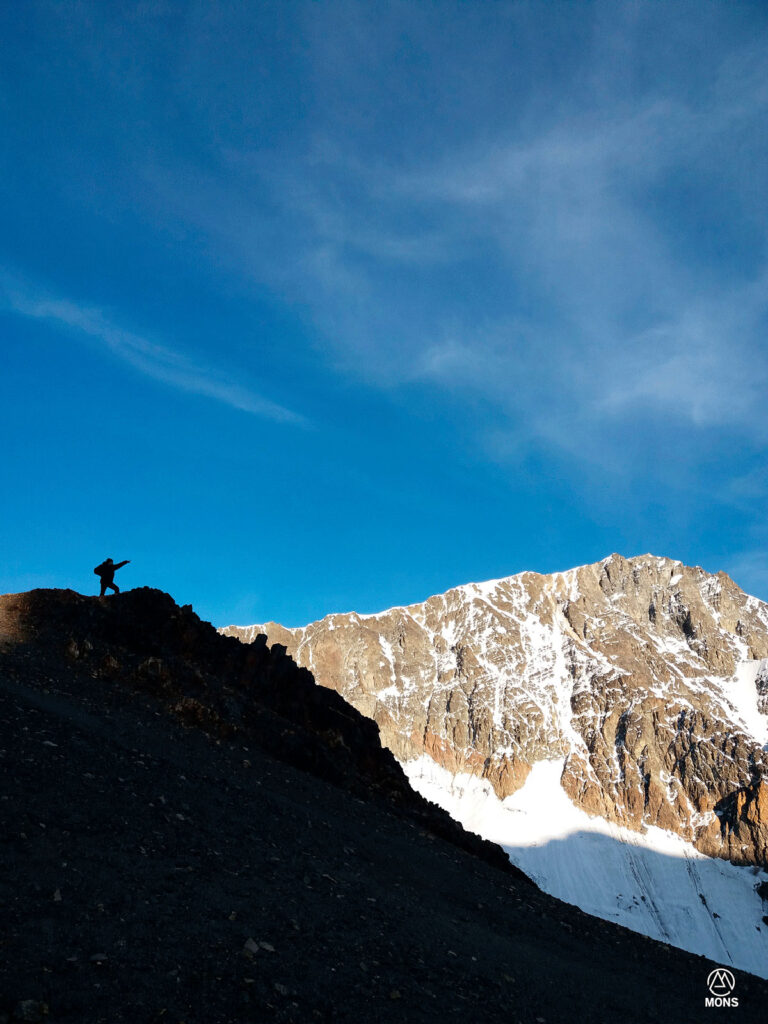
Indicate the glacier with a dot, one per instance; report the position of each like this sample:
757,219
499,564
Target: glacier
653,882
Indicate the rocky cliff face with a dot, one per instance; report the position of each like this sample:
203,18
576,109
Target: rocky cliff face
648,678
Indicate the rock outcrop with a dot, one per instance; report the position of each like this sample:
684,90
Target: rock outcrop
648,677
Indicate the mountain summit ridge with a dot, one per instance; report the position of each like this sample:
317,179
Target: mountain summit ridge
644,679
573,664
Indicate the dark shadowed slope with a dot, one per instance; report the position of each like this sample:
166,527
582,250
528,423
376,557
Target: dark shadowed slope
193,831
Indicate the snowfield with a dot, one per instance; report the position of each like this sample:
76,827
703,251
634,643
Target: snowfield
652,882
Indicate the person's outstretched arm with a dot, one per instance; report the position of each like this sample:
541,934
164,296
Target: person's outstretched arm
121,564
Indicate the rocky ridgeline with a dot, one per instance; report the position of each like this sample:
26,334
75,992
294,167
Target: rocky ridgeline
141,641
646,676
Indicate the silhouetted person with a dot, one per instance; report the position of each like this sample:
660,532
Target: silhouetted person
107,572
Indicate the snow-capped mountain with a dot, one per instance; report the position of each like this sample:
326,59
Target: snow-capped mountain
607,725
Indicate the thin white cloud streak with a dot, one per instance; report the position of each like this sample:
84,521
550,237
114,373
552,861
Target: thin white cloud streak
699,365
151,359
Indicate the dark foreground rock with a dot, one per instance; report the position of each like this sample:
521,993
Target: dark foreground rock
190,835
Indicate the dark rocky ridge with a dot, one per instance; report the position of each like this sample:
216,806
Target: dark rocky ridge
194,831
143,640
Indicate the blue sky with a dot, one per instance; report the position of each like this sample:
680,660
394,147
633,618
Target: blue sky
308,307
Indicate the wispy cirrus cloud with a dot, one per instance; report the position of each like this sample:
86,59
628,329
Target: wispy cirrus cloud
589,259
620,233
150,358
574,214
565,259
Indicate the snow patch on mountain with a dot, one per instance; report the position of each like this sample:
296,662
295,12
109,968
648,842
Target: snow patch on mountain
653,882
741,691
